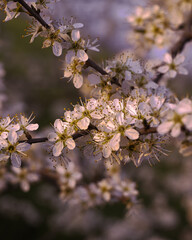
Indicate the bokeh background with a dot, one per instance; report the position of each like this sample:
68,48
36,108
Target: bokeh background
34,82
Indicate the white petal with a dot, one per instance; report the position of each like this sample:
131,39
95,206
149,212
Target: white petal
163,69
12,137
22,147
132,134
176,130
183,71
120,118
172,73
67,73
58,125
78,25
57,149
75,35
165,127
83,123
106,151
32,127
15,160
70,56
70,143
78,80
179,59
187,120
52,137
13,127
168,58
57,49
82,55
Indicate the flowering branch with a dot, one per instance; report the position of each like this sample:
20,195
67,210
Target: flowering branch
179,46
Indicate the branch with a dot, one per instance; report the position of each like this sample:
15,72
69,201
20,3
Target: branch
35,13
142,131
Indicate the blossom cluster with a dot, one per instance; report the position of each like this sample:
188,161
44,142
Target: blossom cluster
116,127
111,188
159,26
11,130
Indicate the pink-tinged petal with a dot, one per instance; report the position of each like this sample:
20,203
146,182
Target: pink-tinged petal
15,160
12,137
70,56
82,55
70,143
184,106
78,25
75,35
179,59
172,73
58,125
106,151
83,123
32,127
132,134
57,149
24,120
13,127
67,73
165,127
168,58
78,80
187,120
22,147
120,118
57,49
52,137
182,71
163,69
176,130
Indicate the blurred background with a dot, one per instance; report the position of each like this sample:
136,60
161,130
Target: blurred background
34,82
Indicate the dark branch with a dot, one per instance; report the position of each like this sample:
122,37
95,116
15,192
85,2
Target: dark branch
34,13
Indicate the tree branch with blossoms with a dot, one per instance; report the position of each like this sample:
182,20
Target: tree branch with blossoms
128,117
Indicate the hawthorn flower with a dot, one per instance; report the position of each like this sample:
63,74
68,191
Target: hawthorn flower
173,66
24,177
139,17
105,189
6,125
26,125
12,10
13,149
69,175
61,137
177,117
74,62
